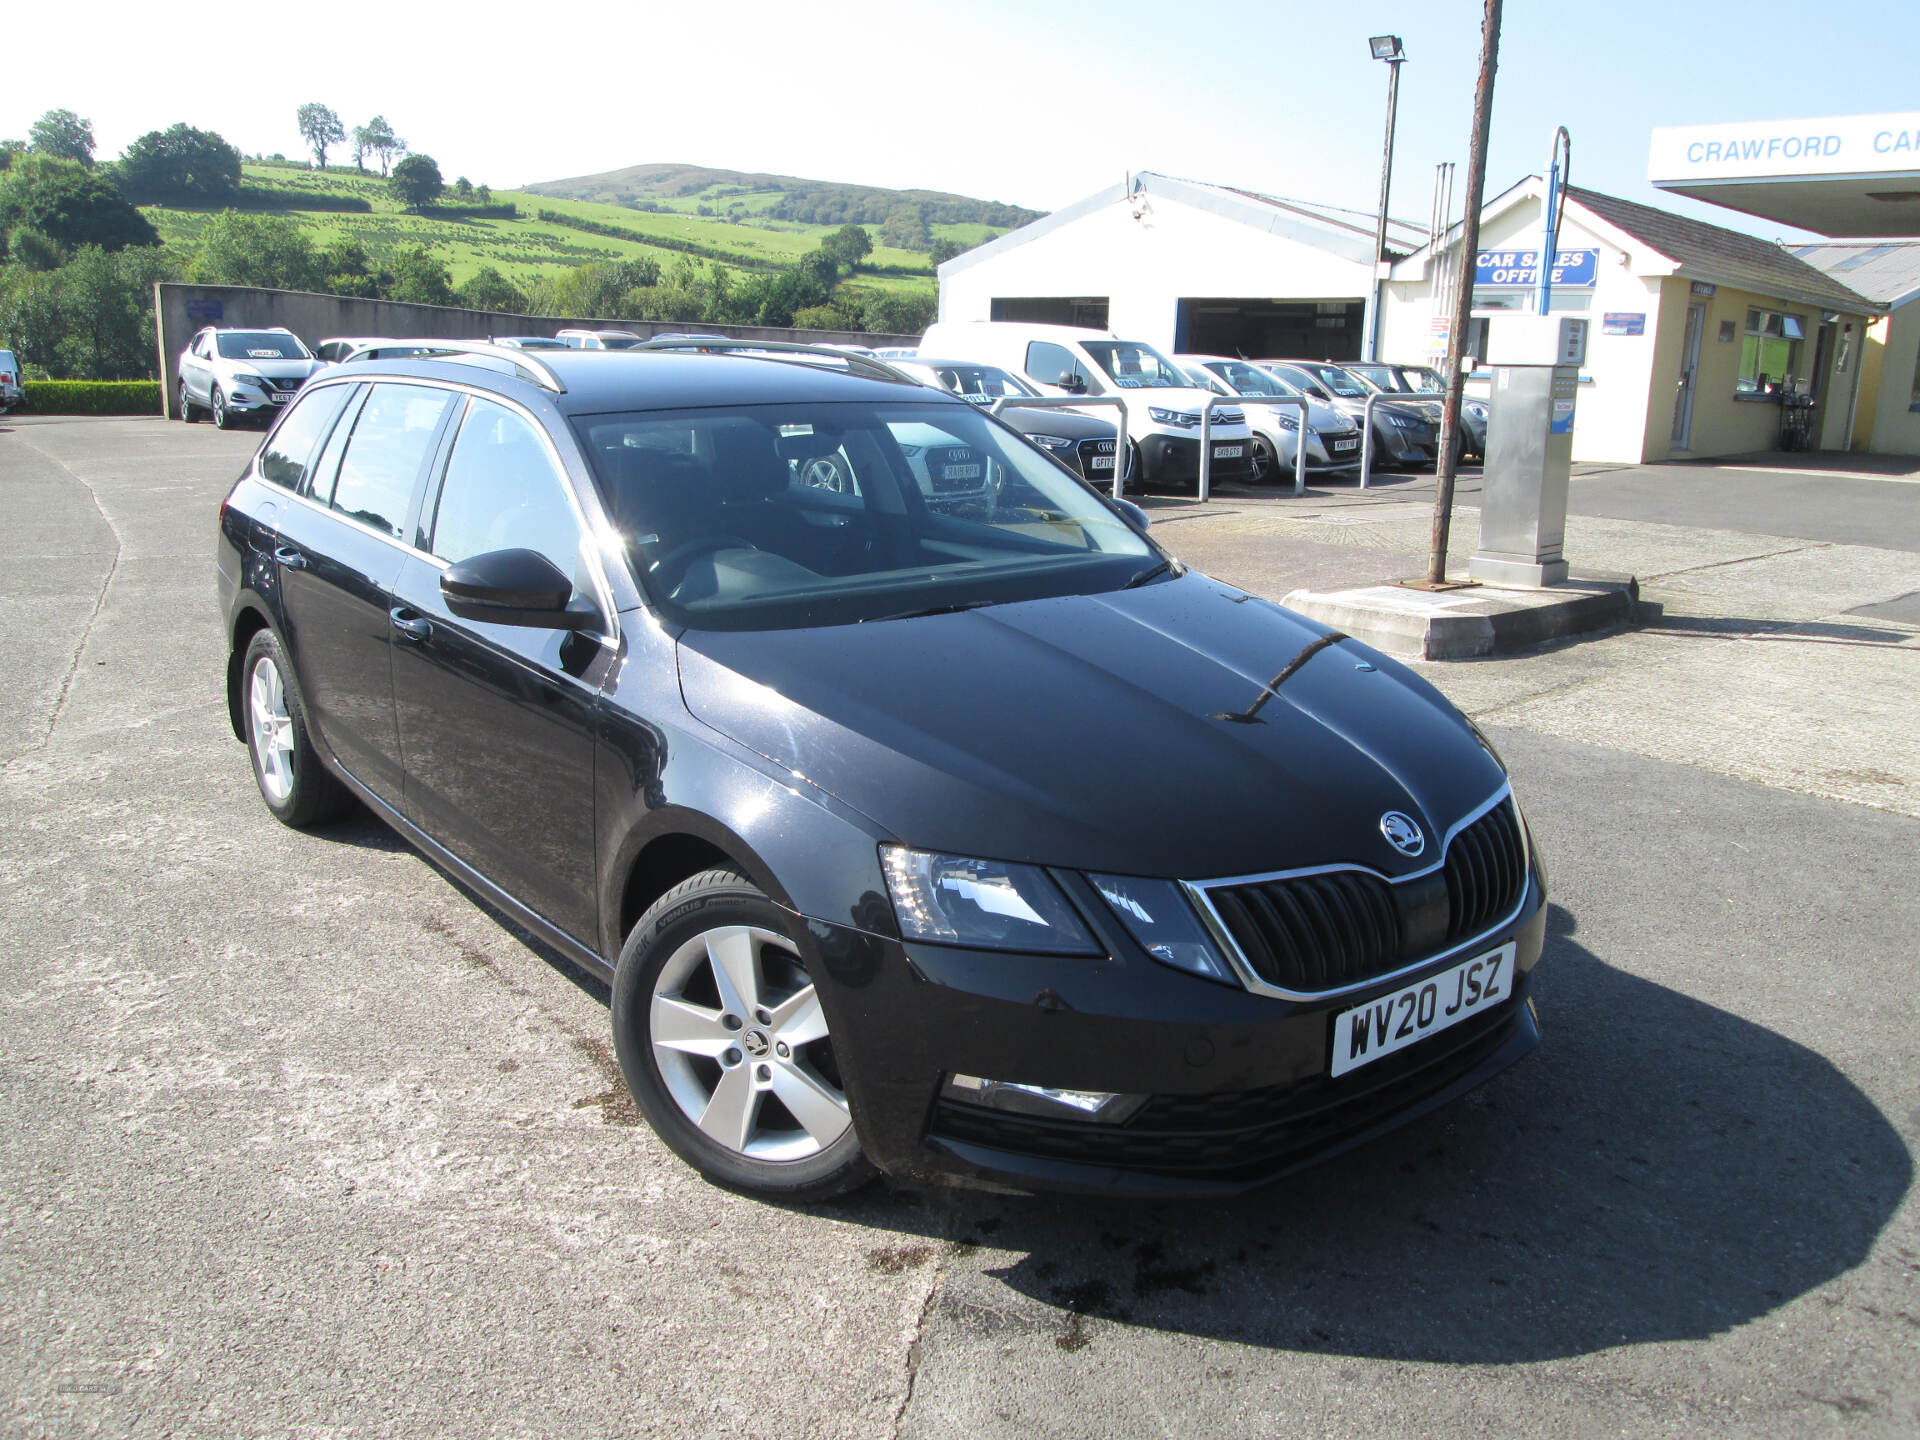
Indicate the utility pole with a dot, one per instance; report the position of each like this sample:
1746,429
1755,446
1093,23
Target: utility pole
1463,296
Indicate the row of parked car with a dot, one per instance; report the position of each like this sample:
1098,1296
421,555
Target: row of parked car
238,374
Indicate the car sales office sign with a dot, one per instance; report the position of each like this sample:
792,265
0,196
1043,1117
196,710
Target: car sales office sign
1522,267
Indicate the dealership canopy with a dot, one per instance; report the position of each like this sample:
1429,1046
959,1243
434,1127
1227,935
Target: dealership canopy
1842,175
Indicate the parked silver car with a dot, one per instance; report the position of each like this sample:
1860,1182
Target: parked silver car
1392,378
237,374
1333,441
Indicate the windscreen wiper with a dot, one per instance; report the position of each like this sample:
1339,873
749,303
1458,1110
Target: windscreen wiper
1152,572
952,608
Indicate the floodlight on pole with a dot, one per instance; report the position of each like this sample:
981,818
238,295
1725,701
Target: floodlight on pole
1389,49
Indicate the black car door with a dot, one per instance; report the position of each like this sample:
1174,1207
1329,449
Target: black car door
338,560
497,722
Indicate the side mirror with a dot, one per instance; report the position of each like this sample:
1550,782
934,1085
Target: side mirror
1073,382
1134,515
1318,394
514,587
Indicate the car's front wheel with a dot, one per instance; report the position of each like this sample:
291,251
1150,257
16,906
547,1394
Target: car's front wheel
222,419
189,412
298,788
724,1044
1266,464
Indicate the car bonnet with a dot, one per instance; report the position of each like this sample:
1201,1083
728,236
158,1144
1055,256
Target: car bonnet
1138,732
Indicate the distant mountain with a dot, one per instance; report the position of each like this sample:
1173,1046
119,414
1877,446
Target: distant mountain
776,197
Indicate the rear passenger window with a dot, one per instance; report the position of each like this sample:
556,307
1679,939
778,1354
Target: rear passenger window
289,454
502,492
392,437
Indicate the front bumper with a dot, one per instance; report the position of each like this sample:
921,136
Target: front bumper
1241,1094
1175,459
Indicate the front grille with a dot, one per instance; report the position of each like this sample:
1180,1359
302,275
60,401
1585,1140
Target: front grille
1313,933
1243,1134
956,470
1486,871
1088,449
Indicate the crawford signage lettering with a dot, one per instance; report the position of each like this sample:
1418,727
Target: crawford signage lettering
1837,145
1522,267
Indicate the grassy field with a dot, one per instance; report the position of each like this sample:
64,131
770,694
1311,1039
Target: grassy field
527,246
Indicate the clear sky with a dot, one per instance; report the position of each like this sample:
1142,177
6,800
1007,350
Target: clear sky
1033,103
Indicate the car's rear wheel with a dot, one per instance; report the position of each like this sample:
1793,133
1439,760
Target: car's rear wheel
724,1044
222,420
298,788
189,412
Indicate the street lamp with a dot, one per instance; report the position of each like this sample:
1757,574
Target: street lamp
1387,48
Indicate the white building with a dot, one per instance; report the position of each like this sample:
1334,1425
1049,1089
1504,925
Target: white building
1185,266
1887,419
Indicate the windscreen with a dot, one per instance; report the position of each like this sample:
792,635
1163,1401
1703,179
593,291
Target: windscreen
974,382
1245,379
1134,366
775,517
260,345
1337,381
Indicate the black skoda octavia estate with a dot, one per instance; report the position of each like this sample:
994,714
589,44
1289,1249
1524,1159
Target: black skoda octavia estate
922,813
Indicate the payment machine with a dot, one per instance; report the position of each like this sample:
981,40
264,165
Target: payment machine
1536,363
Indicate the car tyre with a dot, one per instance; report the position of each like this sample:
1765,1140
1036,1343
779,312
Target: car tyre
297,786
1266,464
222,420
724,1044
189,412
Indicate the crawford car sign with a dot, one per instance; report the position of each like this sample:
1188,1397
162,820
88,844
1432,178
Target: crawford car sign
1522,267
1836,145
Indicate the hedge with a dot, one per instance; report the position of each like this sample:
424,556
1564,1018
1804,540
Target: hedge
92,397
663,242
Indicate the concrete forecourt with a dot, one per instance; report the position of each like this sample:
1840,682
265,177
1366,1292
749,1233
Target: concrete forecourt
303,1141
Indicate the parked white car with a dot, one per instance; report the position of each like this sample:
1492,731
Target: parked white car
238,374
1163,404
1333,443
12,392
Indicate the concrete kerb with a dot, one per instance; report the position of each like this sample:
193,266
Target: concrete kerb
1475,621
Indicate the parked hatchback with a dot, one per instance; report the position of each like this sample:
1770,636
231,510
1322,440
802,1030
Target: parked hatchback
1403,438
954,831
1083,443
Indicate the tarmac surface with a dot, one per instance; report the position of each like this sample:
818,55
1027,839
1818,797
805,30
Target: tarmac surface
304,1142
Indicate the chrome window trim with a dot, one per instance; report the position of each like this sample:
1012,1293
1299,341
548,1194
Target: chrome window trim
1202,903
596,562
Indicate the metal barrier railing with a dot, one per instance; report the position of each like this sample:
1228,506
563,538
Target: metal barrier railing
1295,402
1366,425
1080,402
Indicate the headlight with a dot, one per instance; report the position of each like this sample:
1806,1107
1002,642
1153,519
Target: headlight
1156,913
1185,419
242,378
1052,442
955,900
1405,422
1287,421
1476,410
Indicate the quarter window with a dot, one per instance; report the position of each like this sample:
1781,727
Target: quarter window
502,492
391,440
289,454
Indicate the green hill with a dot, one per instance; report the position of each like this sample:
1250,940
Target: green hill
757,198
343,202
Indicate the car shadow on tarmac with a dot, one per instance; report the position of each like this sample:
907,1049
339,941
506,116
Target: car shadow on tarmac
1659,1170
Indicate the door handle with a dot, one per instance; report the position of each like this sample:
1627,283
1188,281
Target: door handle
290,557
414,627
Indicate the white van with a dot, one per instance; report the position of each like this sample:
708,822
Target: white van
1163,405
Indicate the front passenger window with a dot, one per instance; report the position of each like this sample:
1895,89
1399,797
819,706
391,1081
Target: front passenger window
503,493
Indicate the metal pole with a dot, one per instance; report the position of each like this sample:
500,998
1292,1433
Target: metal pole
1463,293
1206,448
1366,438
1380,228
1557,172
1300,448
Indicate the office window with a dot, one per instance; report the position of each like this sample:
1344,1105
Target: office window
1770,351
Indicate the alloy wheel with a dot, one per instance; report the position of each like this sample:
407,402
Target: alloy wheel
271,729
740,1041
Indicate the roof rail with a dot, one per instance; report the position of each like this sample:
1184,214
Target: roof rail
526,362
778,349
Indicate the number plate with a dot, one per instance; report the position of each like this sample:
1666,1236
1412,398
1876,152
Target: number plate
1101,462
278,397
1340,445
960,472
1227,452
1406,1017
